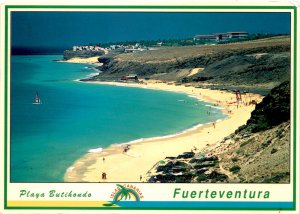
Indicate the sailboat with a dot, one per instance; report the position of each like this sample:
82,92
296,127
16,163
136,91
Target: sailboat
37,99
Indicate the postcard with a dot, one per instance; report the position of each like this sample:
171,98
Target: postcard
149,108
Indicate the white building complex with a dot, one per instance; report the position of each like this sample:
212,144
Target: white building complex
222,36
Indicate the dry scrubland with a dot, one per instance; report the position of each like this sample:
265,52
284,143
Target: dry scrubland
168,54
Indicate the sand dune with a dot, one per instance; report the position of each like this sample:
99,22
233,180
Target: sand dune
195,71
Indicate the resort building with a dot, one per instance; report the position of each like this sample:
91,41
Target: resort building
205,37
217,37
128,48
89,48
239,35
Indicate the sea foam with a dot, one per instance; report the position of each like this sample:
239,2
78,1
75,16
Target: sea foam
97,150
217,107
161,137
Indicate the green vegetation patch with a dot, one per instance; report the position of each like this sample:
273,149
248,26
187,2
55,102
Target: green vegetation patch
234,159
273,151
235,169
201,178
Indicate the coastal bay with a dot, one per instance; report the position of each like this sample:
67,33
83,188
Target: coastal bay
134,165
77,117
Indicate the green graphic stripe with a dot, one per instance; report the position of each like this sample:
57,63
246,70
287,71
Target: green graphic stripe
5,107
295,111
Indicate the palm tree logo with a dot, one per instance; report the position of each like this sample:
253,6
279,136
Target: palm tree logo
126,194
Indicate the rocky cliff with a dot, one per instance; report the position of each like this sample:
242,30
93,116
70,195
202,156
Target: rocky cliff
272,111
261,148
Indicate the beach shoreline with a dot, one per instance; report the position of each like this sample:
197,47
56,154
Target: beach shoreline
133,165
89,60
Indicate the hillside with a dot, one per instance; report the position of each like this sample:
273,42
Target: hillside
249,69
261,148
257,152
263,61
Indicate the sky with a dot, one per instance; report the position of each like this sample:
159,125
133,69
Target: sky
65,29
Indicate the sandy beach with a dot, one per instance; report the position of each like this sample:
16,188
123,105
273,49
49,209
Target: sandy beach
142,156
89,60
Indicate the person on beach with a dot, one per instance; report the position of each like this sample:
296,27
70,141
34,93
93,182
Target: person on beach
125,149
141,177
103,176
214,124
103,159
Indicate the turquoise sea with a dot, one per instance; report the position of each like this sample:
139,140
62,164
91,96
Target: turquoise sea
75,117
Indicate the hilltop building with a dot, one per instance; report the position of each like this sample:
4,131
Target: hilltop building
218,37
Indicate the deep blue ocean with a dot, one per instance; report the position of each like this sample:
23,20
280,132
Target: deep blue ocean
75,117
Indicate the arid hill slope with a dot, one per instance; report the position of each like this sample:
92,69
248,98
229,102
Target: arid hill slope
264,61
258,152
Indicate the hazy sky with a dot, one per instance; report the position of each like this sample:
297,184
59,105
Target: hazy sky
63,29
